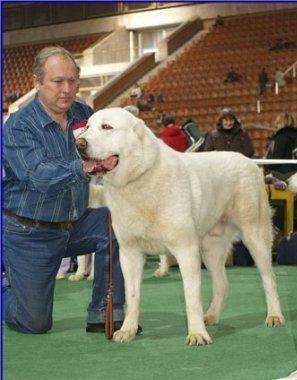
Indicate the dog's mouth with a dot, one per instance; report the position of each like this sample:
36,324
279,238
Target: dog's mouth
101,167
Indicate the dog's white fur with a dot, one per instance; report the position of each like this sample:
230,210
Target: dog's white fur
192,205
293,183
85,268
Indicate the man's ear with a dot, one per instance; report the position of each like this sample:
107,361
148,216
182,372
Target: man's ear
36,82
139,128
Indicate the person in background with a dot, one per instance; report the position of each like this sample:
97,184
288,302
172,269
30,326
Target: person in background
279,78
229,135
218,21
232,76
160,98
173,135
283,145
195,137
46,190
279,44
145,102
136,91
263,81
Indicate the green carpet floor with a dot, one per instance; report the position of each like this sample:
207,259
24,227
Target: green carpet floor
243,348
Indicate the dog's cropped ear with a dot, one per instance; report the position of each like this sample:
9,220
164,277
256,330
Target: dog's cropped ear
139,128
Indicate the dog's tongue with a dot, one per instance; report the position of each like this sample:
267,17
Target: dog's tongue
107,164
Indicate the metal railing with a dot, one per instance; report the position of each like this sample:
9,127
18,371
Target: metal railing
267,161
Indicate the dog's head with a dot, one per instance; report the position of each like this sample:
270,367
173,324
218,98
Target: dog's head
113,139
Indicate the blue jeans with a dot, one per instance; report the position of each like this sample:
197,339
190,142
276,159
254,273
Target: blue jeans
32,258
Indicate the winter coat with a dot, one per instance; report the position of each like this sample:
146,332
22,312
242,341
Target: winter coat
173,136
282,145
235,139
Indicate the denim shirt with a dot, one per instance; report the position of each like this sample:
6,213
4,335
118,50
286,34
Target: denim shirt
43,175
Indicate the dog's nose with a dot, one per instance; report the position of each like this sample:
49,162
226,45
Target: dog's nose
81,144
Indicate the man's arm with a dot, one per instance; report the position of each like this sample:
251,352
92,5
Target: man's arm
25,154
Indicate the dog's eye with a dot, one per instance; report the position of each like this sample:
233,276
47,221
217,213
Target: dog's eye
106,126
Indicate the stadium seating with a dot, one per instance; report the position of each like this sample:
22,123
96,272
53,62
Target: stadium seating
193,85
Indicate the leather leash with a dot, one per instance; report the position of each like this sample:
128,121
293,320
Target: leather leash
109,323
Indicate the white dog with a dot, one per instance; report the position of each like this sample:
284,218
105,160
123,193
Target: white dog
293,183
187,204
85,268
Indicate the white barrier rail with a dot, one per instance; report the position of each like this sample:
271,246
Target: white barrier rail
259,161
264,161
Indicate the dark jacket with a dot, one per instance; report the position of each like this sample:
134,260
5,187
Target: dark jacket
282,145
236,140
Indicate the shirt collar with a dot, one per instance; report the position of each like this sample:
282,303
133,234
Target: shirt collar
46,120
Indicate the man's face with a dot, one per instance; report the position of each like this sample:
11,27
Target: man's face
59,86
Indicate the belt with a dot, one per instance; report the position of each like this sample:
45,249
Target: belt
39,223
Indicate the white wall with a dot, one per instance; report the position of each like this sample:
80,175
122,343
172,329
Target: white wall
113,49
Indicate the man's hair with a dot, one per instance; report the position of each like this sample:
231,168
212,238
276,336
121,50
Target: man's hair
284,119
45,53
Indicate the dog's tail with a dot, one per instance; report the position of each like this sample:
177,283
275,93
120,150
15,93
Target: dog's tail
293,183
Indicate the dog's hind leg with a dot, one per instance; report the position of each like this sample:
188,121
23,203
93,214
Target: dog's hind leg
189,263
261,254
80,273
132,262
215,250
163,267
252,217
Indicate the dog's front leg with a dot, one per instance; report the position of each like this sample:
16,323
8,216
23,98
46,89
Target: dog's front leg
80,273
163,267
96,198
189,263
132,262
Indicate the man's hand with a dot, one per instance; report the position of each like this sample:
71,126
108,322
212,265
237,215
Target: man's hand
91,166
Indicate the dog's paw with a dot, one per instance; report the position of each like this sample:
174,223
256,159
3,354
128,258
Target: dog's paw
210,319
90,277
160,273
198,339
76,277
123,336
275,320
61,276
